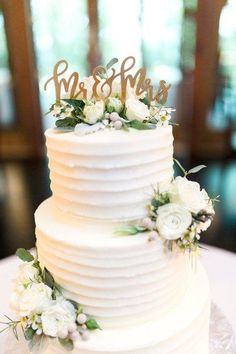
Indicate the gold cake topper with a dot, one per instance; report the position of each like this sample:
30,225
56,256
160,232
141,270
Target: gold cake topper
74,87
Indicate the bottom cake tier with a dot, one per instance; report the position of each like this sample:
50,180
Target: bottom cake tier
184,330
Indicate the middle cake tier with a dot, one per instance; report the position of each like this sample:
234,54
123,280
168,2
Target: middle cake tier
120,280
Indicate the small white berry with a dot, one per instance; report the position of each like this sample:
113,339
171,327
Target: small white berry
72,327
63,333
81,318
34,326
114,116
74,336
84,326
39,331
147,223
117,124
85,335
152,236
107,115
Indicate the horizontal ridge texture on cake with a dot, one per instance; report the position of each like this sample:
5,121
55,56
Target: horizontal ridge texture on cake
183,330
110,174
119,280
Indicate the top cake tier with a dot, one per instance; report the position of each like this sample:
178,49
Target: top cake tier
109,174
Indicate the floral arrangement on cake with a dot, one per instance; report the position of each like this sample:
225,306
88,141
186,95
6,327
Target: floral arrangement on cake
108,110
42,312
177,213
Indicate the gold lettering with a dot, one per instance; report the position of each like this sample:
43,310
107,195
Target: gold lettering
72,81
162,92
99,70
102,88
82,92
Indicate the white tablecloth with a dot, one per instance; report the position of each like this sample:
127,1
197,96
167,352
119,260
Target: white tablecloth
220,265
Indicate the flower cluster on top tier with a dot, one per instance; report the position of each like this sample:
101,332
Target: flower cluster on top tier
42,312
178,212
90,115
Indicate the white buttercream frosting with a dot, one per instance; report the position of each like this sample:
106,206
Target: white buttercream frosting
119,279
109,174
183,330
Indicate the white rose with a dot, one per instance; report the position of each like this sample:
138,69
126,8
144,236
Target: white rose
93,112
58,317
114,105
172,221
33,299
188,194
136,110
27,273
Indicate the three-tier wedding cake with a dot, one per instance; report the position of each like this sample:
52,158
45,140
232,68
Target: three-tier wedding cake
119,234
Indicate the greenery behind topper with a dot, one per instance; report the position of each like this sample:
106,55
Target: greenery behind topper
104,102
177,213
43,313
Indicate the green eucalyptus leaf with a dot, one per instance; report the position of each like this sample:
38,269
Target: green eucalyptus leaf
145,101
112,62
76,104
92,324
127,230
101,75
156,203
64,130
67,344
48,279
136,124
29,333
67,122
24,255
196,169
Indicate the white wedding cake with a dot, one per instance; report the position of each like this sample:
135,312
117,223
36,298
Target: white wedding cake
135,270
147,300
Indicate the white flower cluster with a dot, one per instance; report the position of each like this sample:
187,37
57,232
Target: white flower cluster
162,114
42,310
179,211
110,112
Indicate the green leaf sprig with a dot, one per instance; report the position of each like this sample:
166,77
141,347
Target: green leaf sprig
192,170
